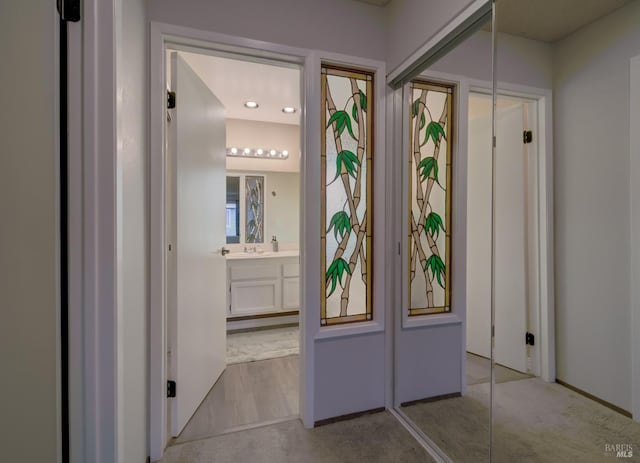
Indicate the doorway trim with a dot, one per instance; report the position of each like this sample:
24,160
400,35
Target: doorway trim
634,191
543,241
161,35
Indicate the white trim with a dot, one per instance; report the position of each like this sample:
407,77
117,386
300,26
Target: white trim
459,218
380,175
440,40
545,338
634,190
162,35
93,332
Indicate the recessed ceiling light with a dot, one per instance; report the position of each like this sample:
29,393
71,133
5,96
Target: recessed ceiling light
289,109
272,152
259,151
251,104
247,151
234,150
285,153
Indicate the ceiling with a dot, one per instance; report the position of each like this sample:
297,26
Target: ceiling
234,82
273,87
550,20
376,2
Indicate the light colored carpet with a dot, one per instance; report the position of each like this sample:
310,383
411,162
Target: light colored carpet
377,438
261,345
535,422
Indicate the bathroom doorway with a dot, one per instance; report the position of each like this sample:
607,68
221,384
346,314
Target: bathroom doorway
236,356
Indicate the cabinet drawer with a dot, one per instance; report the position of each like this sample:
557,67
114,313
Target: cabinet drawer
252,297
253,272
291,270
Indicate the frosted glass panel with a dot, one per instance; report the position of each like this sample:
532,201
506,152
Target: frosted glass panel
346,199
430,198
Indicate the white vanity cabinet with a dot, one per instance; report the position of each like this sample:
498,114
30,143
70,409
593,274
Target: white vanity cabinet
263,284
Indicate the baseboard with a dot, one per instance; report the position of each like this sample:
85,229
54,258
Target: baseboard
348,416
431,399
270,322
615,408
263,315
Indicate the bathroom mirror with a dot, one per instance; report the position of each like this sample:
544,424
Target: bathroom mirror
246,208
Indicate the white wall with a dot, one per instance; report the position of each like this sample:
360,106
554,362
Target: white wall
591,111
131,81
520,61
282,211
411,23
29,239
339,26
256,134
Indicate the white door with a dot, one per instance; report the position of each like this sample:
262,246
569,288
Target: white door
510,239
197,334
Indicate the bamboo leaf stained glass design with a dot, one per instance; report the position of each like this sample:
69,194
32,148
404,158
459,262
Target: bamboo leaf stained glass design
254,192
346,161
429,198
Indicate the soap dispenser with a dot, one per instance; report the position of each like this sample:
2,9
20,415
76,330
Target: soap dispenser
274,244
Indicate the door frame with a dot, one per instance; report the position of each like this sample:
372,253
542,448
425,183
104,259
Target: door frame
532,219
541,292
178,37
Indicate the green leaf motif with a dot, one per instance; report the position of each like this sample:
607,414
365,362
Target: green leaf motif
433,224
335,272
349,160
342,120
428,165
437,268
363,101
340,223
363,105
415,107
434,130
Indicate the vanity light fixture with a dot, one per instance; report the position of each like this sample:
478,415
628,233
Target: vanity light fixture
251,104
257,153
289,110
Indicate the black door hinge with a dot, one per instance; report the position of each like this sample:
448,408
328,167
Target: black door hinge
171,100
530,339
69,10
171,389
527,136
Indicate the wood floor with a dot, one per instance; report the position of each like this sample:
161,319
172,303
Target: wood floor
259,392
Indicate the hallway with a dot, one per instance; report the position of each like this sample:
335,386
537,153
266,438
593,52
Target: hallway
376,438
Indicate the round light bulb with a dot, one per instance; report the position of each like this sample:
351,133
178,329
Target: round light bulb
289,110
272,152
259,151
251,104
234,150
285,153
247,151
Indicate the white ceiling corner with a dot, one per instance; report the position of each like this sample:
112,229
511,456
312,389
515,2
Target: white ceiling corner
236,81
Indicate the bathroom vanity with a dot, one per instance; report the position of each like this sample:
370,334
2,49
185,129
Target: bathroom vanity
263,285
